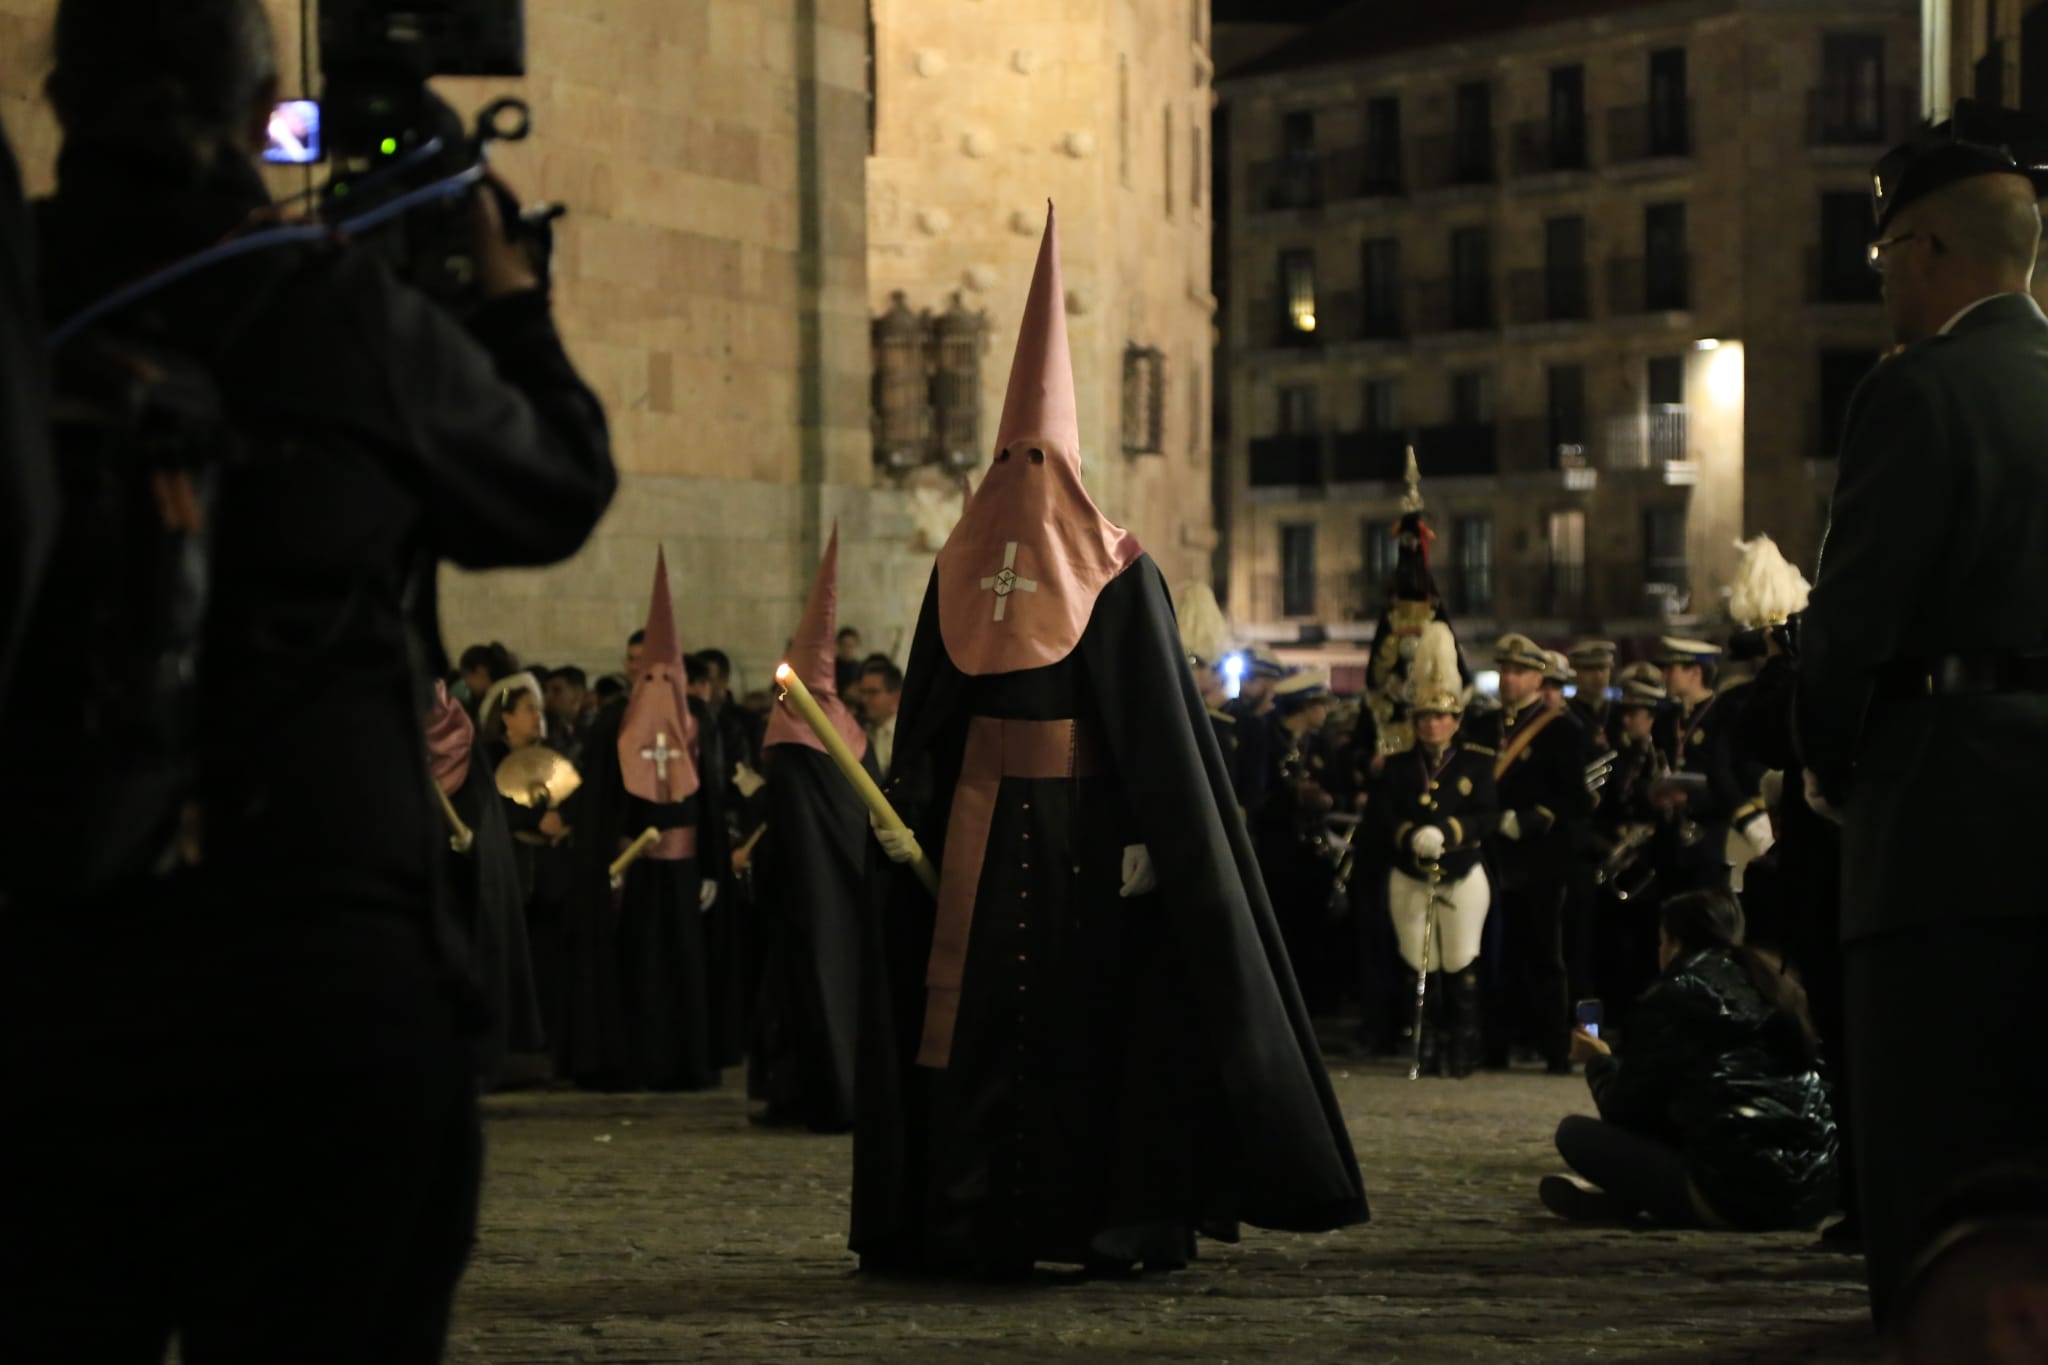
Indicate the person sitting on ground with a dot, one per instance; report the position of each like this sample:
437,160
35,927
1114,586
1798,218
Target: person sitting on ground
1714,1113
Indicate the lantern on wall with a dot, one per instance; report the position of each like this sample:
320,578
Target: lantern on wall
958,339
902,386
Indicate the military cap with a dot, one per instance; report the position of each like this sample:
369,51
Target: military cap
1302,687
1558,669
1981,139
1673,649
1643,692
1263,663
1519,651
1593,654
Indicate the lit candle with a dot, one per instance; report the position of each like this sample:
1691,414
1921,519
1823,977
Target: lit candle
885,816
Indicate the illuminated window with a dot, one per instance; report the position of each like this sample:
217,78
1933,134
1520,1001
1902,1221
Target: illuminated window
1298,288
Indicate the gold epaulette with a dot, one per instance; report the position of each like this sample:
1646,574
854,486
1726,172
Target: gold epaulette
1480,749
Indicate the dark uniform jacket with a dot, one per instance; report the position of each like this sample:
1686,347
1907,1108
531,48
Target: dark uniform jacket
1458,797
1702,739
1937,546
1602,719
1544,784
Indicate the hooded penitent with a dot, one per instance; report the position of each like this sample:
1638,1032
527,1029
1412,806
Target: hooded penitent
813,653
450,735
1019,576
658,736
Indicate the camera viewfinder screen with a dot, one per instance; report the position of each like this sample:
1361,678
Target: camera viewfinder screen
294,134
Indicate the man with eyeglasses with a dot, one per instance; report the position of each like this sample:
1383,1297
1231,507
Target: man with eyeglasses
1922,704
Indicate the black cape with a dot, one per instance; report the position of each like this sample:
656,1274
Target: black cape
1180,1079
809,867
489,900
639,1014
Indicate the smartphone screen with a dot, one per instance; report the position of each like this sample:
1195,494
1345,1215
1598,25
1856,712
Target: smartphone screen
1589,1015
294,134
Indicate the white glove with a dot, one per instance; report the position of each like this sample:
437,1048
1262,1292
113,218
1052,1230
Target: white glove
707,894
1428,843
899,844
1820,805
1757,834
1139,874
1510,826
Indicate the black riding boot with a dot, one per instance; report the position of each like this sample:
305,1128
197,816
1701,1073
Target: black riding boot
1461,1011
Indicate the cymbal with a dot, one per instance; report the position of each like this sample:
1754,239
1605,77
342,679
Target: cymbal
537,776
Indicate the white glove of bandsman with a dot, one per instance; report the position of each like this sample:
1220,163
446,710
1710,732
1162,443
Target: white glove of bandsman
1140,877
1428,843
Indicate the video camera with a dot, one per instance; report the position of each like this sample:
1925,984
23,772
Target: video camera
405,163
1749,646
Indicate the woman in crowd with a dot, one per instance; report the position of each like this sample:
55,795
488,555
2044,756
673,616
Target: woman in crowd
513,720
1714,1113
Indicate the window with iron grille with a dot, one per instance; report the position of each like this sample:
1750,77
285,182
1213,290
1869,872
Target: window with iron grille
1852,87
1664,546
1298,570
1379,552
1473,539
1566,543
1144,400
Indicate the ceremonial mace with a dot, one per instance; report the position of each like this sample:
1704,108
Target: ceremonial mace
460,836
796,694
1436,876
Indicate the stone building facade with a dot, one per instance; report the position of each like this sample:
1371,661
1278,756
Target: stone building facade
983,113
1604,272
713,277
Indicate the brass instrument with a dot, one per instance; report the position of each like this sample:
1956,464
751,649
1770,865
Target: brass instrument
537,777
1618,870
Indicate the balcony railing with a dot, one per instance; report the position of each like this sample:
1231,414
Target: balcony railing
1552,442
1564,590
1835,118
1291,182
1369,457
1653,438
1545,147
1458,304
1364,172
1647,132
1445,160
1312,180
1326,597
1834,277
1549,296
1339,318
1626,589
1459,450
1656,284
1294,461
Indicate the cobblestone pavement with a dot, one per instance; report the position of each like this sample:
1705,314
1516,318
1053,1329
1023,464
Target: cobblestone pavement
666,1228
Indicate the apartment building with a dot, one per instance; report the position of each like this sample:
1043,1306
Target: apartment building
1600,263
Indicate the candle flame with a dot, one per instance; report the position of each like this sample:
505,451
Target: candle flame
783,673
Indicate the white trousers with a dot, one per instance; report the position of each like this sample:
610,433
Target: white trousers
1461,908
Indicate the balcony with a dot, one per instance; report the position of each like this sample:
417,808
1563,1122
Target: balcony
1653,439
1835,118
1554,443
1314,180
1326,597
1834,277
1364,173
1637,589
1538,296
1656,284
1291,461
1457,304
1446,161
1369,457
1340,317
1459,450
1649,132
1544,147
1564,591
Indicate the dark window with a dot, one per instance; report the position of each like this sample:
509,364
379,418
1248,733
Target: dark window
1382,552
1666,415
1383,145
1566,546
1664,257
1567,118
1852,87
1298,135
1472,537
1381,270
1472,152
1298,292
1471,277
1382,405
1567,393
1166,154
1664,546
1670,130
1297,410
1144,400
2034,61
1472,397
1564,268
1298,570
1845,275
1840,373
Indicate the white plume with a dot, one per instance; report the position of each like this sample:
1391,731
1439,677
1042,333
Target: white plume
1203,630
1434,669
1767,589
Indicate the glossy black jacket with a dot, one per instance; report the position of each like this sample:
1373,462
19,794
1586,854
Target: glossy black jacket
1713,1068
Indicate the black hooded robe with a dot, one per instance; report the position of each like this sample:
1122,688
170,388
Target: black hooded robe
28,479
490,899
639,1015
1123,1072
809,869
